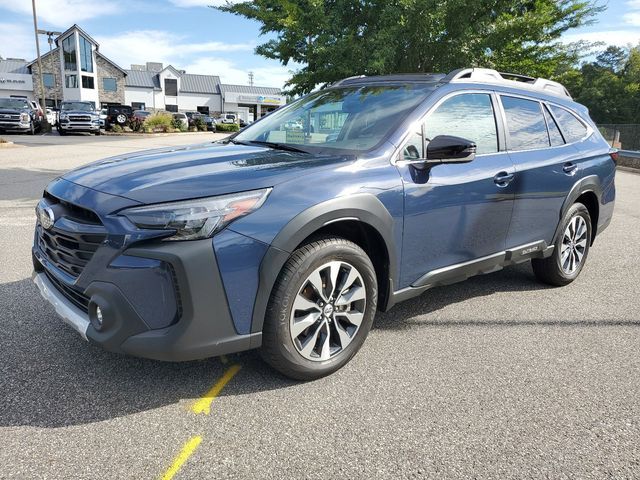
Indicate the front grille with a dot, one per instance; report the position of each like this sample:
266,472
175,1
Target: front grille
74,296
80,118
9,117
74,238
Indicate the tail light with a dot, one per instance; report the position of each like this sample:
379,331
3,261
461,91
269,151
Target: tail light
613,153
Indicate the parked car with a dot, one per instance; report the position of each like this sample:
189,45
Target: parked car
228,118
183,118
51,116
103,117
36,106
118,115
290,240
210,122
78,116
140,114
19,115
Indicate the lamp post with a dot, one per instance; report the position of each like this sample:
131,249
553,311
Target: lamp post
50,36
45,124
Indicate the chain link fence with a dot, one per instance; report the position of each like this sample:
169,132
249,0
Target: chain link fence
622,136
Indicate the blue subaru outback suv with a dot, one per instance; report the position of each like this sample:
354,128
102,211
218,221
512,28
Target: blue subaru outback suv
290,234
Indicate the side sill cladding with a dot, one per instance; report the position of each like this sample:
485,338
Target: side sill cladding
365,208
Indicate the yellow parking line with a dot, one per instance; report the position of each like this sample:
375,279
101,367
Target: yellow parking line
182,457
204,404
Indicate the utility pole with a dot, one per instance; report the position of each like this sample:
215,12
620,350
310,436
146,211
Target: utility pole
251,78
50,36
46,127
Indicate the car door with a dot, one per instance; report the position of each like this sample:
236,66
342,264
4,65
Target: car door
546,165
456,213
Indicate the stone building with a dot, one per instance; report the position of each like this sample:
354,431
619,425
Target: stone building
76,70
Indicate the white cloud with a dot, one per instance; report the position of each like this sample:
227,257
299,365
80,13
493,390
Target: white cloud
230,72
18,41
608,37
632,18
63,13
159,46
633,4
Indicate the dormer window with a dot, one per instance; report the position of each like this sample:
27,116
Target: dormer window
86,57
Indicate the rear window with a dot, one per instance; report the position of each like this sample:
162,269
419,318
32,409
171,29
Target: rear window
572,128
525,121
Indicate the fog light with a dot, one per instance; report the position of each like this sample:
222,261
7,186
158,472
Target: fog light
98,317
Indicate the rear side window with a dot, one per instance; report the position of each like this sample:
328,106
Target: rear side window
572,128
554,132
470,116
525,121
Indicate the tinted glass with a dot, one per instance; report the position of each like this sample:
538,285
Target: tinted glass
554,132
171,87
469,116
109,84
414,148
350,118
69,53
86,58
87,82
71,81
527,128
572,128
13,103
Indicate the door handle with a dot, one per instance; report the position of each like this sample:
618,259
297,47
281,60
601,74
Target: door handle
569,168
503,179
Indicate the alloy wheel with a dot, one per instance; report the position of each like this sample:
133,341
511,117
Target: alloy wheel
327,311
574,245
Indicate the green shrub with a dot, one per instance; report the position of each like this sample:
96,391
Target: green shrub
227,127
136,124
116,128
159,121
178,124
200,124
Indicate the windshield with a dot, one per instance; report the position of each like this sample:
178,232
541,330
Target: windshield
353,118
13,103
85,107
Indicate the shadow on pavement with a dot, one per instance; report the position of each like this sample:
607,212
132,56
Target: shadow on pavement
50,377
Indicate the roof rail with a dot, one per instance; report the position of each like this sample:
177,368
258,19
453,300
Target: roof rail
489,75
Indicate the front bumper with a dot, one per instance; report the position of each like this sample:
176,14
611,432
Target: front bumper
79,127
16,126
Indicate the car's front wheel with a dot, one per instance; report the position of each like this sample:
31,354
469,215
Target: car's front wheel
571,249
321,309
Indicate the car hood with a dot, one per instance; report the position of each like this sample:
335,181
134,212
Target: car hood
179,173
12,111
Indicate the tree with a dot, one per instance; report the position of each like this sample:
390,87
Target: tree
333,39
613,58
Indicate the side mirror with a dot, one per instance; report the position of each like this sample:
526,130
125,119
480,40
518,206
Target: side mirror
450,149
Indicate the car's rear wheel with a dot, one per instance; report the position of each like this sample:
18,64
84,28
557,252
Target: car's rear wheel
571,249
321,309
121,119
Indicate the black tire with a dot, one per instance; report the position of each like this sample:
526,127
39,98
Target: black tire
278,348
550,270
61,132
98,132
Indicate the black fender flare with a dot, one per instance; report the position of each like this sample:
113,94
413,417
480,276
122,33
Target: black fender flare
365,208
590,184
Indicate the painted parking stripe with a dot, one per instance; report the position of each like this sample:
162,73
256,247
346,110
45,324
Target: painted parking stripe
203,405
182,457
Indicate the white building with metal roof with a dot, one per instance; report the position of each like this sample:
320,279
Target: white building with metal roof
15,78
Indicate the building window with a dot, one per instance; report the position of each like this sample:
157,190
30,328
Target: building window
138,105
171,108
71,81
203,109
87,82
69,53
48,80
171,87
109,84
86,58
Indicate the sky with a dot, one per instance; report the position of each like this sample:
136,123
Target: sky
190,36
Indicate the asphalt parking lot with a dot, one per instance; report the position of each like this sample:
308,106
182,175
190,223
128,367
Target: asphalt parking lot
497,377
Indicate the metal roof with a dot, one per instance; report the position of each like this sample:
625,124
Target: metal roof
13,66
250,89
142,78
191,83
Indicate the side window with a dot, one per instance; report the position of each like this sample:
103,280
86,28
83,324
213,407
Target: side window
572,128
527,128
554,132
413,150
470,116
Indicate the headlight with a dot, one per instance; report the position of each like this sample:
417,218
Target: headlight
64,116
24,117
196,219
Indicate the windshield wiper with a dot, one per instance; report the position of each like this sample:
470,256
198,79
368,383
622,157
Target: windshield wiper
274,145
